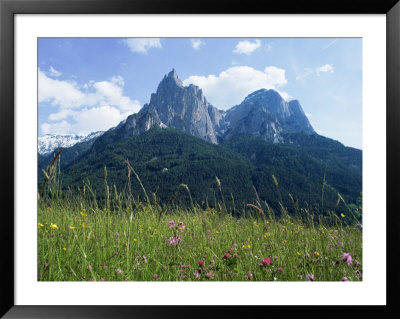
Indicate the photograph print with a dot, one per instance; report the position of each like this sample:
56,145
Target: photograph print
199,159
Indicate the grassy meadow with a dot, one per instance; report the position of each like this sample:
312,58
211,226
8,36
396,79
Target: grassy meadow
123,239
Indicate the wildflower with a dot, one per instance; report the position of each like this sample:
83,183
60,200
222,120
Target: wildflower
71,227
134,240
101,279
155,276
53,226
119,271
343,215
171,224
84,225
65,249
227,256
298,254
117,234
105,267
356,262
276,258
92,279
316,253
201,263
339,243
182,277
88,267
345,279
83,214
181,226
280,269
171,241
209,274
40,225
307,255
266,261
267,235
358,274
347,258
299,277
196,274
236,255
310,277
46,265
145,259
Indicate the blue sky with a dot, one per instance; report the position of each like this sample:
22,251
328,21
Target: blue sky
91,84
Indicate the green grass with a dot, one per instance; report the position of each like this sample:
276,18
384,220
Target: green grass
120,243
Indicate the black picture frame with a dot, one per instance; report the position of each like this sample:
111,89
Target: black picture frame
8,8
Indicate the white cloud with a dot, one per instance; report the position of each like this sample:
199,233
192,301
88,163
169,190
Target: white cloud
197,43
142,45
87,120
94,106
54,72
327,68
247,47
231,86
61,93
306,73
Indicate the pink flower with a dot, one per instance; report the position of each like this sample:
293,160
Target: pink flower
101,279
171,224
209,275
46,265
345,279
88,267
310,277
117,234
145,259
105,267
266,261
119,271
347,257
196,274
171,241
280,269
236,255
201,263
92,279
155,276
182,277
181,226
227,256
276,258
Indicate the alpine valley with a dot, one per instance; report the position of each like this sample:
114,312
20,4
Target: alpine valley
264,143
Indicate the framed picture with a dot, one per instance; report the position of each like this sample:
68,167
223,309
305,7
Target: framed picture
346,57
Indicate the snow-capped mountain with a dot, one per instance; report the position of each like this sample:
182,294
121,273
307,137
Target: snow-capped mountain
50,142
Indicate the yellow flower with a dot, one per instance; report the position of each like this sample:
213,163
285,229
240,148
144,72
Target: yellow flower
65,249
84,225
40,225
267,235
342,215
72,227
316,253
134,240
298,254
53,226
83,214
